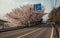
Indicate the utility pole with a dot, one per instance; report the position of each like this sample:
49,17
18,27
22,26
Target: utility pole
29,19
55,3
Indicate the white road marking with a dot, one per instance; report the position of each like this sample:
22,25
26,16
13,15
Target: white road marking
51,36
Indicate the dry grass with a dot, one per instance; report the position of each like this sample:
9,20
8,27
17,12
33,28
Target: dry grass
58,28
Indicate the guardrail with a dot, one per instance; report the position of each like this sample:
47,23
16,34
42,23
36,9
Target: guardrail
11,28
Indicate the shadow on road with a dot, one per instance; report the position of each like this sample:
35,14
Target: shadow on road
41,25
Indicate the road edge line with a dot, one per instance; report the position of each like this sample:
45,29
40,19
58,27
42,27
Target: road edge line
51,36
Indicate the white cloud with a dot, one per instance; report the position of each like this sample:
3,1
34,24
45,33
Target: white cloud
7,5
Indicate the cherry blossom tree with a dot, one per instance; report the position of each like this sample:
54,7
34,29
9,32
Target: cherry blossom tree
20,16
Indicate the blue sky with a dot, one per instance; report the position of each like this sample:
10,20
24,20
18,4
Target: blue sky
7,5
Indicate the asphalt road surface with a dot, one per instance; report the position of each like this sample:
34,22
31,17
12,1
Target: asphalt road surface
40,31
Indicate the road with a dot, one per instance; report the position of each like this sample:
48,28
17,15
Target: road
40,31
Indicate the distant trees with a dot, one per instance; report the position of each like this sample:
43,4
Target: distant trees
21,16
54,16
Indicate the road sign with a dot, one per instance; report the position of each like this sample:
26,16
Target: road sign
37,6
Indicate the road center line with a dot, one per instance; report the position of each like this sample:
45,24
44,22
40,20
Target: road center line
29,33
